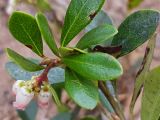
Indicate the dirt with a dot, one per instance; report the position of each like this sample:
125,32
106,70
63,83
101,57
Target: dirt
115,8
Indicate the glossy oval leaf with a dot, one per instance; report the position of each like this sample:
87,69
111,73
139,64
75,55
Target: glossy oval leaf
96,36
94,66
46,33
78,16
100,18
136,29
151,96
81,90
55,75
25,29
23,62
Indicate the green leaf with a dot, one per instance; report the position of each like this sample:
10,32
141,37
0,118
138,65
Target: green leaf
63,116
53,89
134,3
94,66
81,90
136,29
46,33
79,50
65,51
25,29
151,96
79,14
96,36
30,112
55,75
144,69
55,96
100,19
23,62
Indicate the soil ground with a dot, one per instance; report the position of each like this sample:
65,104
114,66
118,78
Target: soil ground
115,8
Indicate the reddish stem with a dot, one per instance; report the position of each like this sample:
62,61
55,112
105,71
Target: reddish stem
43,76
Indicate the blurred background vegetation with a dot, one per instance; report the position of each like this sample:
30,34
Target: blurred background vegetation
55,12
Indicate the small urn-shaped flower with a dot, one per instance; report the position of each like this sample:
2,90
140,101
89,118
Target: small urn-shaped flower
23,97
43,98
26,90
17,85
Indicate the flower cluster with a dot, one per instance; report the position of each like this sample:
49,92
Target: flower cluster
25,91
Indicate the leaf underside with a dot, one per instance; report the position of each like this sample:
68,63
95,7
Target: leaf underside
55,75
30,112
63,116
24,63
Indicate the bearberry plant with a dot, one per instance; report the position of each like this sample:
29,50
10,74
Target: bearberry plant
88,70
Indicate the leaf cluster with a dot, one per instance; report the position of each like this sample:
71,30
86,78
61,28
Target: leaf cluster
92,59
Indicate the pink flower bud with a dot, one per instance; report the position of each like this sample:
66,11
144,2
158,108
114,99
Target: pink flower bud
23,97
43,98
16,86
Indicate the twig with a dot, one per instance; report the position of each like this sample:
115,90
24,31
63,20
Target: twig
105,112
112,100
43,76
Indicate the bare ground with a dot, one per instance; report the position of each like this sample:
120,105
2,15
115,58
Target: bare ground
116,8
